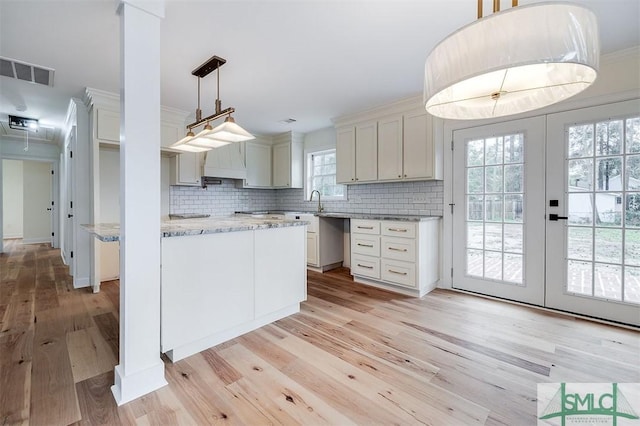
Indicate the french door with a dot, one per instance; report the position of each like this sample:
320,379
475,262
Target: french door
593,256
547,211
498,188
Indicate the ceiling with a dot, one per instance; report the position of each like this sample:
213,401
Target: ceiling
306,60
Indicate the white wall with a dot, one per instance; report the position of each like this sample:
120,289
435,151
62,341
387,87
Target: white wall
320,139
36,200
12,199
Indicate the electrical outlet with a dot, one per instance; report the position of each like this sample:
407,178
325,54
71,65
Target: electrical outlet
419,198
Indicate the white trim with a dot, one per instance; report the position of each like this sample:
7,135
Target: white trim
131,386
36,240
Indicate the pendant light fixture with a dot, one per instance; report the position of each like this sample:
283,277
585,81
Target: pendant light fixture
513,61
209,138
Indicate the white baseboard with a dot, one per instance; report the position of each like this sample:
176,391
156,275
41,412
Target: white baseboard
132,386
11,236
36,240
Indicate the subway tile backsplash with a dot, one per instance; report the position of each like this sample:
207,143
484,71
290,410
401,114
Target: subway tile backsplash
419,198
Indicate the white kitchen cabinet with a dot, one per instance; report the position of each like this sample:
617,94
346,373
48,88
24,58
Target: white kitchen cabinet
218,286
346,154
185,169
399,256
258,162
396,142
390,148
312,249
170,134
422,157
107,126
357,153
288,161
367,152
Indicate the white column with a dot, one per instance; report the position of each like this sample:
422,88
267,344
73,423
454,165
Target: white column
140,370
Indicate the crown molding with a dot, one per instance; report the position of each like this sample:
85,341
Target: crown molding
632,52
102,99
398,107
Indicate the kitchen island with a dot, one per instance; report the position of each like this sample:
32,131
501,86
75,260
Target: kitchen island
223,277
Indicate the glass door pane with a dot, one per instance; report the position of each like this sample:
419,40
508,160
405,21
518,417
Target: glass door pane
499,210
594,169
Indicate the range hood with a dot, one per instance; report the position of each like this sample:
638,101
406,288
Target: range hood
225,162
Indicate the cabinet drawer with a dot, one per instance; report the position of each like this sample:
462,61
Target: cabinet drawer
366,266
365,244
361,226
399,248
399,229
398,272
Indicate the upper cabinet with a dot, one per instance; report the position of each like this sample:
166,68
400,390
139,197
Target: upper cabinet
422,156
357,153
185,169
288,161
258,162
104,114
274,162
393,143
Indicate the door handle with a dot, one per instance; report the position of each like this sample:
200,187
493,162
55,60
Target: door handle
554,217
69,216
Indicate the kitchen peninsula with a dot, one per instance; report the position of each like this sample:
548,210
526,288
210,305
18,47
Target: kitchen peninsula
223,277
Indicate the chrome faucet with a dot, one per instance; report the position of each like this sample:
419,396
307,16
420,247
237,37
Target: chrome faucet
311,198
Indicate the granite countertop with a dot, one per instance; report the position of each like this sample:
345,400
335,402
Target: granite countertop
347,215
379,216
176,228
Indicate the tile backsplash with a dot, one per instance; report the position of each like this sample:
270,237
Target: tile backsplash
420,198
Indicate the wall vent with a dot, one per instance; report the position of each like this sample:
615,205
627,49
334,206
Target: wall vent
26,72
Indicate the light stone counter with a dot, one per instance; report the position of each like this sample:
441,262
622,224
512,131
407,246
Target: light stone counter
177,228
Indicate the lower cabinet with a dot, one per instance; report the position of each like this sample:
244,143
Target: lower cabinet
218,286
396,255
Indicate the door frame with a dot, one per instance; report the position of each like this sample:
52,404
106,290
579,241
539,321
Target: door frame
445,138
53,163
556,296
533,290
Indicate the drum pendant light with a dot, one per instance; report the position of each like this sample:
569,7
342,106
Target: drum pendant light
518,60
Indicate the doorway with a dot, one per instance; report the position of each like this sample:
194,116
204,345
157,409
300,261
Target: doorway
547,211
28,207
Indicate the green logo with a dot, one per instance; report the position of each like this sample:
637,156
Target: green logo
584,401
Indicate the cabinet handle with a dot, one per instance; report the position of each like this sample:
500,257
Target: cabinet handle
365,227
365,266
397,249
396,272
365,245
397,230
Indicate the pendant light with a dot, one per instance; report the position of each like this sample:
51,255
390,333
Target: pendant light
183,144
513,61
209,137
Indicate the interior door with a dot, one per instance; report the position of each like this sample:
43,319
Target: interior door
68,206
498,184
593,189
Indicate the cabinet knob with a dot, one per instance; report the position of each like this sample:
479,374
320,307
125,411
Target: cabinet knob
400,176
405,175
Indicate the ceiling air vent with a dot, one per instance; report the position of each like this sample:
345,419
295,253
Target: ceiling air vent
26,72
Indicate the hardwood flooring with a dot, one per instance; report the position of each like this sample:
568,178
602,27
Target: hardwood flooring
353,355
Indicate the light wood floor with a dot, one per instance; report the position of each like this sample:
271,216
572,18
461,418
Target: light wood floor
354,355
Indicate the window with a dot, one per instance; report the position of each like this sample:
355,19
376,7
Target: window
321,175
